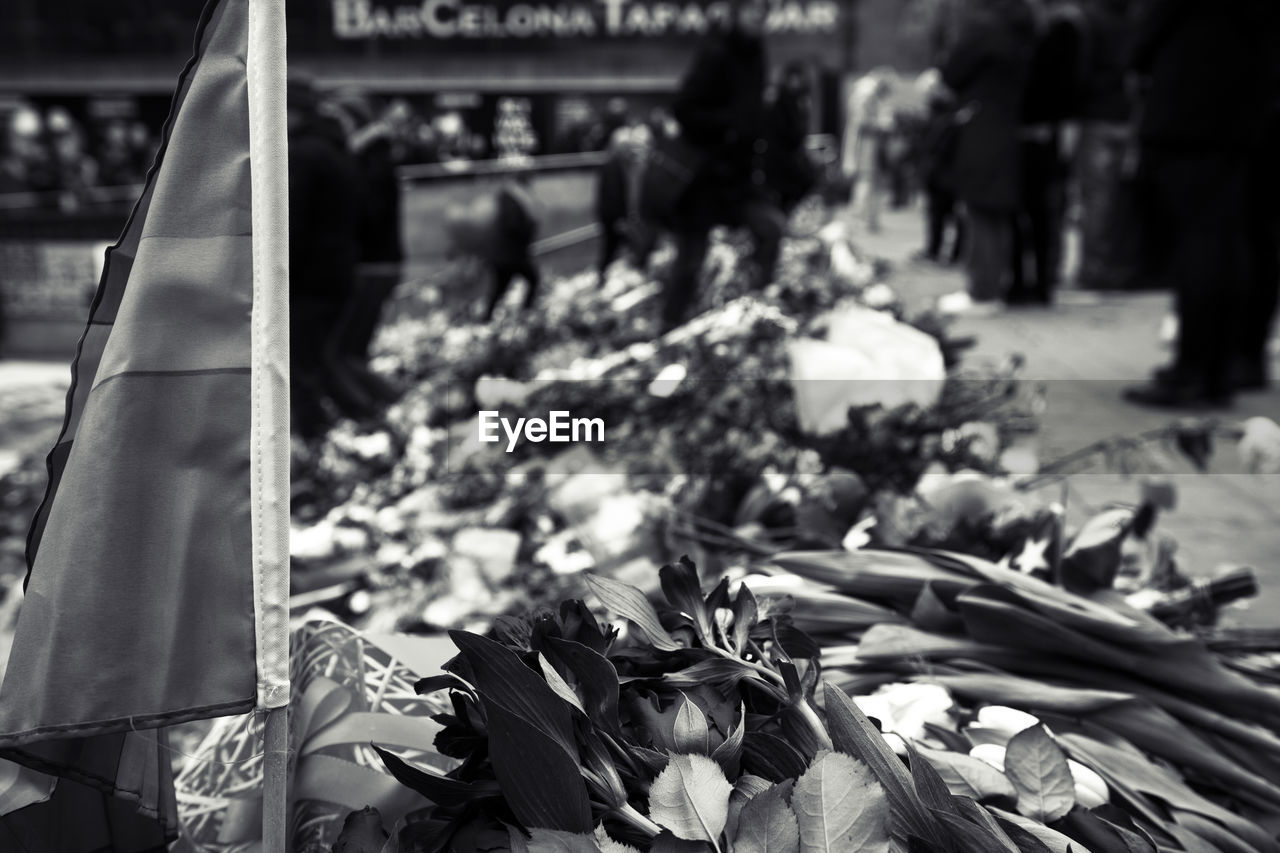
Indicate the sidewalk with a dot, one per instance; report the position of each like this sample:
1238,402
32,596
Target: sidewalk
1085,350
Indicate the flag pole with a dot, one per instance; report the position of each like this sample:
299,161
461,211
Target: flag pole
266,74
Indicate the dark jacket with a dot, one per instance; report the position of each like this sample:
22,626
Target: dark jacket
987,69
1103,95
1209,72
612,190
789,172
325,207
515,228
380,240
1055,80
720,104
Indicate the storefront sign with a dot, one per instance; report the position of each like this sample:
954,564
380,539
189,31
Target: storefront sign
366,20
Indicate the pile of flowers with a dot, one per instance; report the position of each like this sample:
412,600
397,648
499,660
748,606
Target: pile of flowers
971,708
703,424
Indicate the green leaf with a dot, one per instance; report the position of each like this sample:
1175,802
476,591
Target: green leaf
729,753
976,814
690,733
681,587
1038,769
691,798
558,841
840,807
744,789
768,825
770,756
558,684
503,679
542,785
854,735
972,838
596,677
440,790
1018,827
608,845
745,614
630,603
967,776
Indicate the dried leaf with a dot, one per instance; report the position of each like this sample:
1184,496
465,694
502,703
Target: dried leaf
768,824
691,798
967,776
630,603
840,806
1038,769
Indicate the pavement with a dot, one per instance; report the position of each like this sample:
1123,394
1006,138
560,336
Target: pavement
1085,350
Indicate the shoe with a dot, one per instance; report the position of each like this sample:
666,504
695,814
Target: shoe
1160,395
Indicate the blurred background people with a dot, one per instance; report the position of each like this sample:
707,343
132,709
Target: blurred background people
937,150
868,127
987,68
1209,85
721,112
515,227
617,195
1108,222
371,139
790,172
326,204
1046,145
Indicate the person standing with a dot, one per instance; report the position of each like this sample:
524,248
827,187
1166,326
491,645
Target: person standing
514,228
720,112
1046,142
1208,86
790,174
325,206
987,68
869,126
1110,242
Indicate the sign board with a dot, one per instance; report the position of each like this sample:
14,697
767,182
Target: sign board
365,20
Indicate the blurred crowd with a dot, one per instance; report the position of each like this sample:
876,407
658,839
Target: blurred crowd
67,161
1150,126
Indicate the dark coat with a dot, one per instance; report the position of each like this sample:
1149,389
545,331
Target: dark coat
988,69
1055,80
326,202
515,228
380,240
789,172
1209,68
720,105
612,190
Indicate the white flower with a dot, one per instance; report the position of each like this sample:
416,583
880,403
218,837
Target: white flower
879,296
859,536
667,380
905,708
1259,447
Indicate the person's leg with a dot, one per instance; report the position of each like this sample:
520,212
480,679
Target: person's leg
767,224
935,222
959,227
990,245
533,280
610,243
681,286
1019,242
502,275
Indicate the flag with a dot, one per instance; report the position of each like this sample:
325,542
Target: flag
158,562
